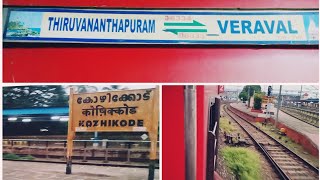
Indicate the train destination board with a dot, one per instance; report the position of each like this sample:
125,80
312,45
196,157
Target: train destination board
162,26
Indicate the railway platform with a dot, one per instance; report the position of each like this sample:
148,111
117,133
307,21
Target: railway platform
311,132
38,171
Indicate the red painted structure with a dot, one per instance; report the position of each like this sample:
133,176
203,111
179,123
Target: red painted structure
173,155
158,64
173,161
257,4
299,138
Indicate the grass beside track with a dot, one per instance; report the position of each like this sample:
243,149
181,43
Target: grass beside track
244,163
225,126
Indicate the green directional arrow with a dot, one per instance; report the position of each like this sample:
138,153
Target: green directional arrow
176,31
194,23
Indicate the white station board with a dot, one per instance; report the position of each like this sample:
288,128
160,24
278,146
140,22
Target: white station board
162,26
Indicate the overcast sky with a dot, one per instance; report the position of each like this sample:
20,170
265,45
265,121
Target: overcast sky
121,87
312,90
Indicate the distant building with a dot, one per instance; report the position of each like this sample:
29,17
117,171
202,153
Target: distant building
305,96
230,95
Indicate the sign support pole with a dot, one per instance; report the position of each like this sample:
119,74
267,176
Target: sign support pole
190,131
71,135
279,105
153,133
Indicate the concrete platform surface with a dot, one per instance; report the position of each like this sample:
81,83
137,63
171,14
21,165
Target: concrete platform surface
13,170
242,107
310,131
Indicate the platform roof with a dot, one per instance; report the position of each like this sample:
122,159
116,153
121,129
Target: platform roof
310,100
36,111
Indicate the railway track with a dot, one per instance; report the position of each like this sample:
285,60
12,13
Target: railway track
298,117
287,164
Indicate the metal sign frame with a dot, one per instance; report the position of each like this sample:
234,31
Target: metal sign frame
249,27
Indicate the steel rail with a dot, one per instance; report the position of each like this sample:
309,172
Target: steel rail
315,169
279,171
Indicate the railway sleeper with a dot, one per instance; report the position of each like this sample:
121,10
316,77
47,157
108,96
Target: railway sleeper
277,152
303,178
280,159
280,155
267,143
274,149
293,173
293,167
284,163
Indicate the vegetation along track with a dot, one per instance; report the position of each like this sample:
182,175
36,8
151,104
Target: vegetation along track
287,164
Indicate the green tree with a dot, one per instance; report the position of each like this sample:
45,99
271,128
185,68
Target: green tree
34,96
257,101
244,96
91,89
86,89
114,87
253,88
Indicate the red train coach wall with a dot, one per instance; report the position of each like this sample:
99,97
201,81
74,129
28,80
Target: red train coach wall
173,155
158,64
173,130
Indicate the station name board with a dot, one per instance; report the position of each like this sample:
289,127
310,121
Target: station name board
162,26
129,110
114,111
